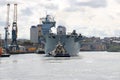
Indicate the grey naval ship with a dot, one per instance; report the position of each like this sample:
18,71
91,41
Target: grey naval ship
58,44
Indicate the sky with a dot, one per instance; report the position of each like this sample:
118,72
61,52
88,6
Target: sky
99,18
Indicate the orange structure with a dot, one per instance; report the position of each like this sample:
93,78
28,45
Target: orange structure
1,51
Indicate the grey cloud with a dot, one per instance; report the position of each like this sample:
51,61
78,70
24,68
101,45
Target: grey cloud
4,2
77,27
2,23
97,32
91,3
117,32
27,11
111,17
50,6
118,14
118,1
76,5
91,17
71,9
1,4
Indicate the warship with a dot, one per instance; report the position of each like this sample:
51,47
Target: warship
59,44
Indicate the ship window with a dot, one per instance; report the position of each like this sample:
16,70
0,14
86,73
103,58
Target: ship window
53,37
72,36
68,36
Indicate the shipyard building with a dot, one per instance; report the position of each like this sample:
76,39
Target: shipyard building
35,33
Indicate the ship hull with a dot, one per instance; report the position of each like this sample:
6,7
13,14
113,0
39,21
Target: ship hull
5,55
70,43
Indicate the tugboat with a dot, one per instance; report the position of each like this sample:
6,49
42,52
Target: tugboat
59,51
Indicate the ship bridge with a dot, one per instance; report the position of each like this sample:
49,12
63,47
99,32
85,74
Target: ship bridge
47,23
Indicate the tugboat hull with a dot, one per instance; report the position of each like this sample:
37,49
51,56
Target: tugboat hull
62,55
5,55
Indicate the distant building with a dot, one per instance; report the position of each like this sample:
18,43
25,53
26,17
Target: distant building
93,44
35,33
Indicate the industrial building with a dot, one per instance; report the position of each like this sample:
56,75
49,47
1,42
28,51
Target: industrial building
35,33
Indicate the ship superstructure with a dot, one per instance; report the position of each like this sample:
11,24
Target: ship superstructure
70,42
59,43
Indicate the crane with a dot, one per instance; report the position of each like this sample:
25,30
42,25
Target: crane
14,29
7,29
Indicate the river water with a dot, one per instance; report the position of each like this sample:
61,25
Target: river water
86,66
